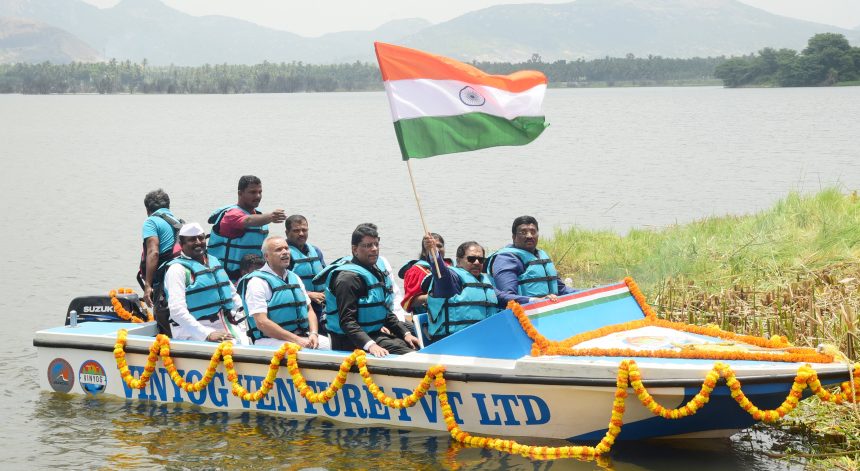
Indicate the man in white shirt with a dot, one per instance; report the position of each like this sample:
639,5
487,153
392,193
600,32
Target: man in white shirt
203,303
278,303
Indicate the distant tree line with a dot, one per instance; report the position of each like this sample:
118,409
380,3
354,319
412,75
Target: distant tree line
128,77
827,60
651,70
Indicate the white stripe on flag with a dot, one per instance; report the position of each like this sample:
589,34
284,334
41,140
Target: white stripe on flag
422,97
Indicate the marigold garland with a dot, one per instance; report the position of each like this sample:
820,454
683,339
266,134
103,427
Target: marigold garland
543,346
640,298
123,312
629,376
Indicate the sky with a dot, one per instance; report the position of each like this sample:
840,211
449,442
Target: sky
317,17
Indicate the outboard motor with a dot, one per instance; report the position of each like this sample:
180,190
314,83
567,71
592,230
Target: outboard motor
100,308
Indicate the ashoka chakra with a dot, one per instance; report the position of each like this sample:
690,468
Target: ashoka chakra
471,97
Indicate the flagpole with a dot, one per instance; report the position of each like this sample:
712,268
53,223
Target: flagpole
421,214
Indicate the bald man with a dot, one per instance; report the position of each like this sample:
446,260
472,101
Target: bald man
277,302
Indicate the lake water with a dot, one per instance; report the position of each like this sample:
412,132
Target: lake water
77,168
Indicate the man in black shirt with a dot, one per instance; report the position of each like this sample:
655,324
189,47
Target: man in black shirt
359,301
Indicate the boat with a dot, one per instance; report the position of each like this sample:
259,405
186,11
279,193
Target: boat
591,367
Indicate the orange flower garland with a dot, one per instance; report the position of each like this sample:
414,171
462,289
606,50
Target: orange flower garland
628,377
640,298
543,346
123,312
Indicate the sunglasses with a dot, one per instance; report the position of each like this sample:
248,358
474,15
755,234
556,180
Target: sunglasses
474,258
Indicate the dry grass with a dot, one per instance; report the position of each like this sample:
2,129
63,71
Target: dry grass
820,307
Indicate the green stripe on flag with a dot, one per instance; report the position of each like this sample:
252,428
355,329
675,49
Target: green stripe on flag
426,137
576,307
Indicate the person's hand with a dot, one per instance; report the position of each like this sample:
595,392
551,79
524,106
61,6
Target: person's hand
278,215
412,341
218,336
552,297
303,342
377,351
429,244
147,295
385,330
317,297
313,340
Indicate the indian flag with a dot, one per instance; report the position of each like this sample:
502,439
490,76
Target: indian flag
441,106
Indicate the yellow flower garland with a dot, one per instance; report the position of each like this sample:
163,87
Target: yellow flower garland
123,312
628,377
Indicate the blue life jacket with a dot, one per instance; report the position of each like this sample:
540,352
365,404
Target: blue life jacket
539,278
168,247
288,307
231,251
425,266
166,244
373,307
307,266
475,302
207,288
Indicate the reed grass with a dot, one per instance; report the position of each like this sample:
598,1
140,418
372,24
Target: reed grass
793,270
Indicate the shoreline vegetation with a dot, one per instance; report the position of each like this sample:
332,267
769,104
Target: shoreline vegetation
792,269
128,77
828,60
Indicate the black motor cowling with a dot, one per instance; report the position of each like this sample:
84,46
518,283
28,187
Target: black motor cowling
100,308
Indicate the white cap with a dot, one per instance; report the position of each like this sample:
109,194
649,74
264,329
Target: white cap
191,229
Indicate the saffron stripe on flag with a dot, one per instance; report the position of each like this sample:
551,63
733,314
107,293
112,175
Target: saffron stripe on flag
401,63
419,98
420,137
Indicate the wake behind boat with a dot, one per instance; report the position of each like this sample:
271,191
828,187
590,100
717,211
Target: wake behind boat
555,370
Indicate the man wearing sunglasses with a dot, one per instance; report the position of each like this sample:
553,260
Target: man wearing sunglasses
521,271
203,302
462,295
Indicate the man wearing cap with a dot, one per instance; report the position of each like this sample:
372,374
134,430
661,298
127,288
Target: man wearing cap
203,302
277,302
239,229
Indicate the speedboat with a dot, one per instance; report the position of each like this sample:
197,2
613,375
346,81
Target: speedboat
591,365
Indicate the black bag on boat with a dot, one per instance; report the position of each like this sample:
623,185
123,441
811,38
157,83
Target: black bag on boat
100,309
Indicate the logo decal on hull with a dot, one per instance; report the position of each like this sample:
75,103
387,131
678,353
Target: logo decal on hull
92,377
61,376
